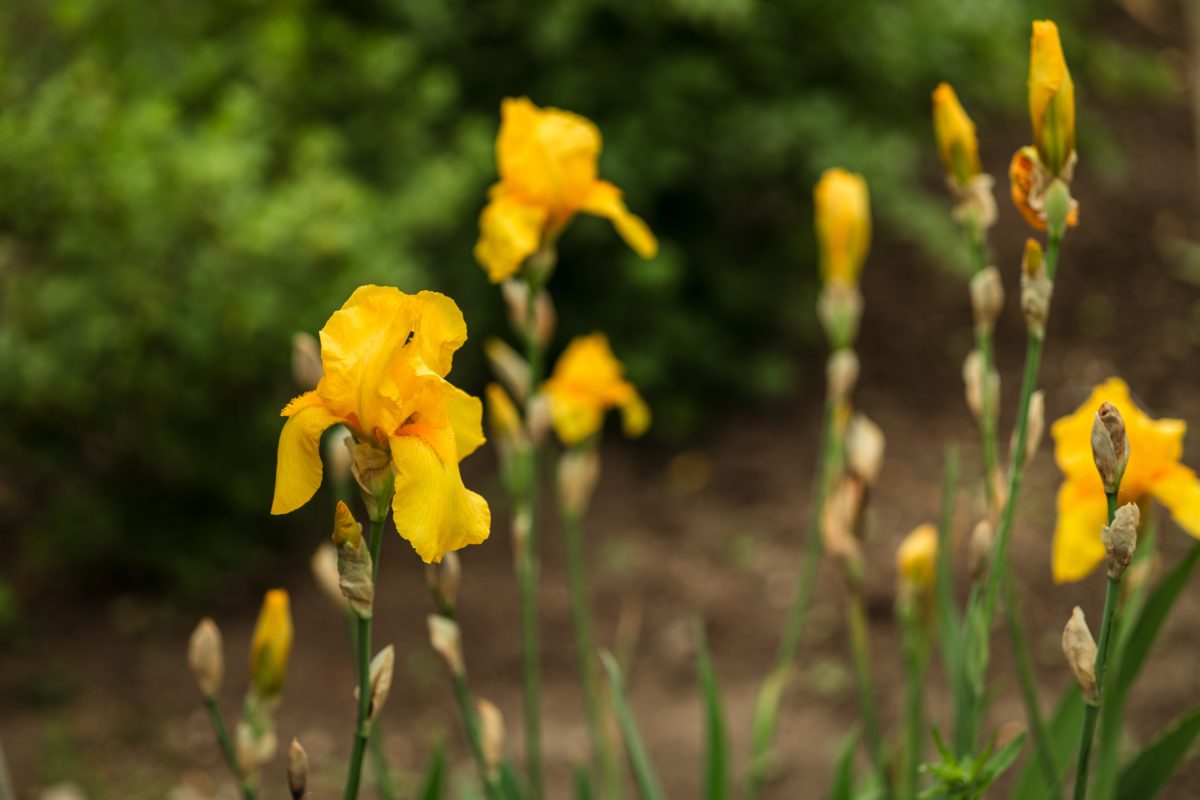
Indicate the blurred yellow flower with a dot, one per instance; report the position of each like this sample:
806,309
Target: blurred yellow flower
916,558
587,381
385,356
1051,98
955,132
271,645
548,173
503,415
843,221
1155,447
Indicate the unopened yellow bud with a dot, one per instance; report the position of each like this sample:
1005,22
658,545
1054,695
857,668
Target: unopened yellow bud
955,132
916,558
355,568
843,222
346,529
271,645
206,657
1080,649
1051,99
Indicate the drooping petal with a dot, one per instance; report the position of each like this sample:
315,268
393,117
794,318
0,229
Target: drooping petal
510,231
1179,490
432,509
466,420
635,415
298,468
604,200
1077,549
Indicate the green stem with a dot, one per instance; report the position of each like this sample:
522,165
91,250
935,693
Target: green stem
861,653
983,342
528,568
914,706
1112,596
585,648
462,695
384,783
944,575
362,644
222,734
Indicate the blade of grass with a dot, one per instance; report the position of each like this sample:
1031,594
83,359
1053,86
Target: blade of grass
434,783
649,787
1149,772
716,767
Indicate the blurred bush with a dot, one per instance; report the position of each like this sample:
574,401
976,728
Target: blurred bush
183,185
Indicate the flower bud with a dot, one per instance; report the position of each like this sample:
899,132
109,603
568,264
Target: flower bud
864,448
839,525
979,549
372,469
973,383
841,373
522,523
1120,539
1036,289
958,146
843,222
297,770
271,645
1080,649
382,666
1110,446
206,657
916,558
839,310
491,734
1051,98
539,418
1035,429
503,417
510,367
446,640
987,298
444,579
516,298
354,565
324,565
578,471
307,369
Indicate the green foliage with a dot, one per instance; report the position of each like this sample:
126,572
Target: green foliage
1063,733
183,185
433,785
843,773
969,777
1149,772
717,784
648,785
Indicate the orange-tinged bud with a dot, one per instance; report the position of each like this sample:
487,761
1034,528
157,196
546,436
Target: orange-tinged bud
271,645
346,529
843,221
955,132
503,416
1051,98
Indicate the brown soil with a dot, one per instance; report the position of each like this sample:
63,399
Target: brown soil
101,695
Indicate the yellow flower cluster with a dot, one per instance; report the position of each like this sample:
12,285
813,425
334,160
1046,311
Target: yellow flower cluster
385,356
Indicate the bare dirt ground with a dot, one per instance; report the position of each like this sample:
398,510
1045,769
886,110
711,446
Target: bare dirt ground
101,696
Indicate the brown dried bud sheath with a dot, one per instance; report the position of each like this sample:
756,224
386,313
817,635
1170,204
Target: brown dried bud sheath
1080,649
206,658
987,298
447,642
1110,446
865,444
444,579
297,770
1120,539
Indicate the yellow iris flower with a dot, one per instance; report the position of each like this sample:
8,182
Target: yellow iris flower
385,356
548,173
843,221
271,645
1051,98
955,133
916,558
587,381
1155,447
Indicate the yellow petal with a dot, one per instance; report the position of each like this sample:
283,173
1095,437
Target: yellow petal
604,200
1179,490
1051,97
440,330
1077,549
843,220
635,416
271,644
917,556
546,156
298,467
509,232
466,419
575,421
432,509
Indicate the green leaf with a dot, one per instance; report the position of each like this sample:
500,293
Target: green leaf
644,776
1149,771
434,782
716,774
944,583
766,713
1063,732
843,774
1001,760
583,785
510,787
1150,621
976,651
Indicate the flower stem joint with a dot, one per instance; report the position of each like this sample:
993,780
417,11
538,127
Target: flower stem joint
1110,446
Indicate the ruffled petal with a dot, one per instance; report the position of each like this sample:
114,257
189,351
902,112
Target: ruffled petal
509,232
604,200
432,509
1082,513
298,467
1179,490
547,156
441,330
466,419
